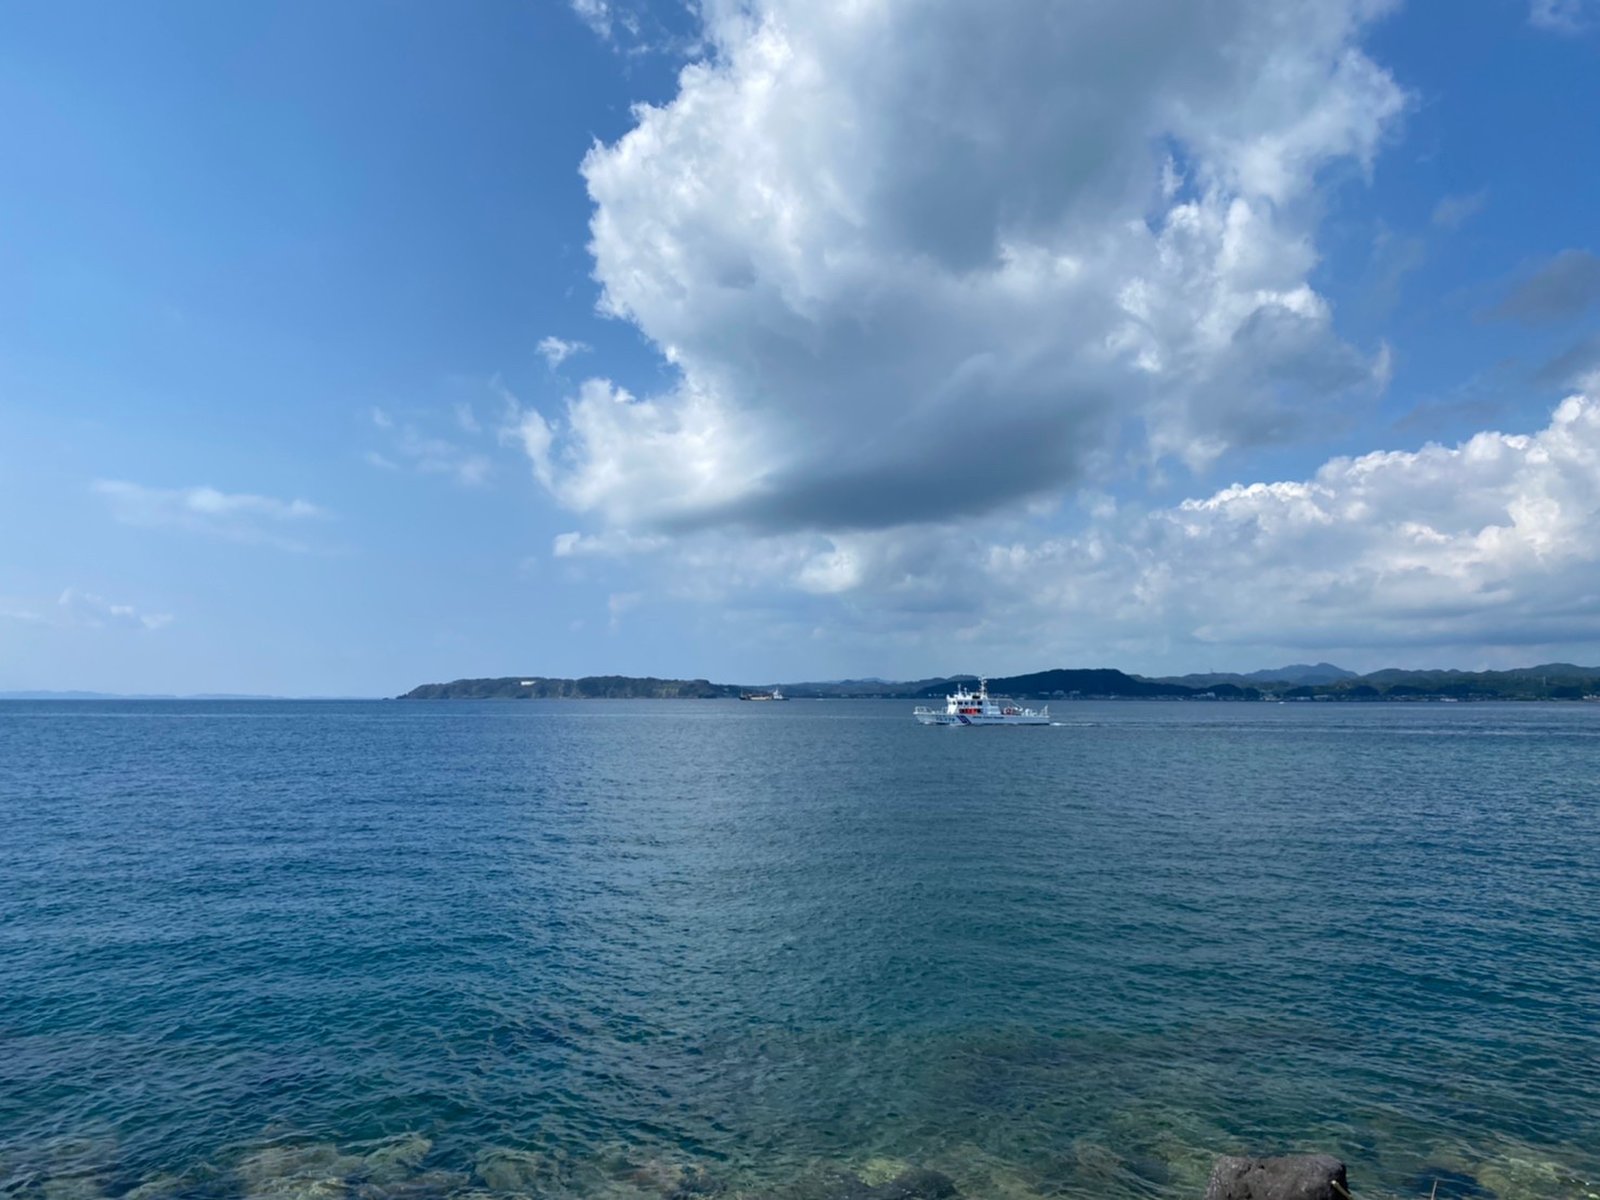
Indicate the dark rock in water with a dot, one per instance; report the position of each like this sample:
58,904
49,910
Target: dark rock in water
1292,1177
1445,1184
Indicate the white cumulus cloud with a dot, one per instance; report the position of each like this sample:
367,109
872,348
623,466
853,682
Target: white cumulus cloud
1487,551
1492,542
914,261
936,279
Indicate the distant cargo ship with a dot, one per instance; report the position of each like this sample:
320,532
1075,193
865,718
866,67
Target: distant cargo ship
774,694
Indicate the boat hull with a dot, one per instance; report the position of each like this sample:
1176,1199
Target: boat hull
959,719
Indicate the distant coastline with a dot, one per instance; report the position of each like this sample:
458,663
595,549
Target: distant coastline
42,694
1321,682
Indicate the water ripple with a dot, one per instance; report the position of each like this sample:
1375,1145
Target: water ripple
602,949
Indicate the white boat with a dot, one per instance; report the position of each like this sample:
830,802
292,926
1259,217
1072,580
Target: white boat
963,707
774,694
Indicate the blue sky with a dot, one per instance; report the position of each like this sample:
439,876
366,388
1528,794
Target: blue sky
348,347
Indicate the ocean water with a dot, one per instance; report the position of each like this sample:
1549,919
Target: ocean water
658,950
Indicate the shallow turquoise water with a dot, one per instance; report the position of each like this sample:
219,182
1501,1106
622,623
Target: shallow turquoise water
634,939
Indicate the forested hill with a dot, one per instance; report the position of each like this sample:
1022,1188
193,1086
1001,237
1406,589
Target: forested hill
1061,682
1552,681
590,687
624,687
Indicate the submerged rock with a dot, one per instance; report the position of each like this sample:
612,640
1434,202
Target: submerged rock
526,1172
1446,1184
157,1187
916,1184
330,1188
984,1174
882,1169
1292,1177
396,1159
1525,1176
75,1185
87,1182
75,1168
1097,1164
620,1173
305,1172
696,1182
913,1184
425,1185
663,1177
1151,1168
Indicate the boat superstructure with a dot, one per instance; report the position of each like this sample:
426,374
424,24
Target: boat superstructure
965,707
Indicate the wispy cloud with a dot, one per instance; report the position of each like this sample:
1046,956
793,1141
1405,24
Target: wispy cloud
1452,212
410,448
1578,366
88,610
466,418
613,543
597,15
1563,287
556,351
634,27
620,602
1564,16
75,608
1394,257
235,516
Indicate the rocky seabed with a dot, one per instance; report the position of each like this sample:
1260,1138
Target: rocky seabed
411,1167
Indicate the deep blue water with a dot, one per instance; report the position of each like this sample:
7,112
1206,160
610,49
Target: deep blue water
568,948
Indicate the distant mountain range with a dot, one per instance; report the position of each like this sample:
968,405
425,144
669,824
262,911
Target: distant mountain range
1322,672
1294,673
1298,681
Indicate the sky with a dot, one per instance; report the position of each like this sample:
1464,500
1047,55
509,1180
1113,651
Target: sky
349,347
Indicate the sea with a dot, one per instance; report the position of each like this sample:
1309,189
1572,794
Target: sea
622,950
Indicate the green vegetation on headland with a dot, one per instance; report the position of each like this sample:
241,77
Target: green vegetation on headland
1323,682
590,687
